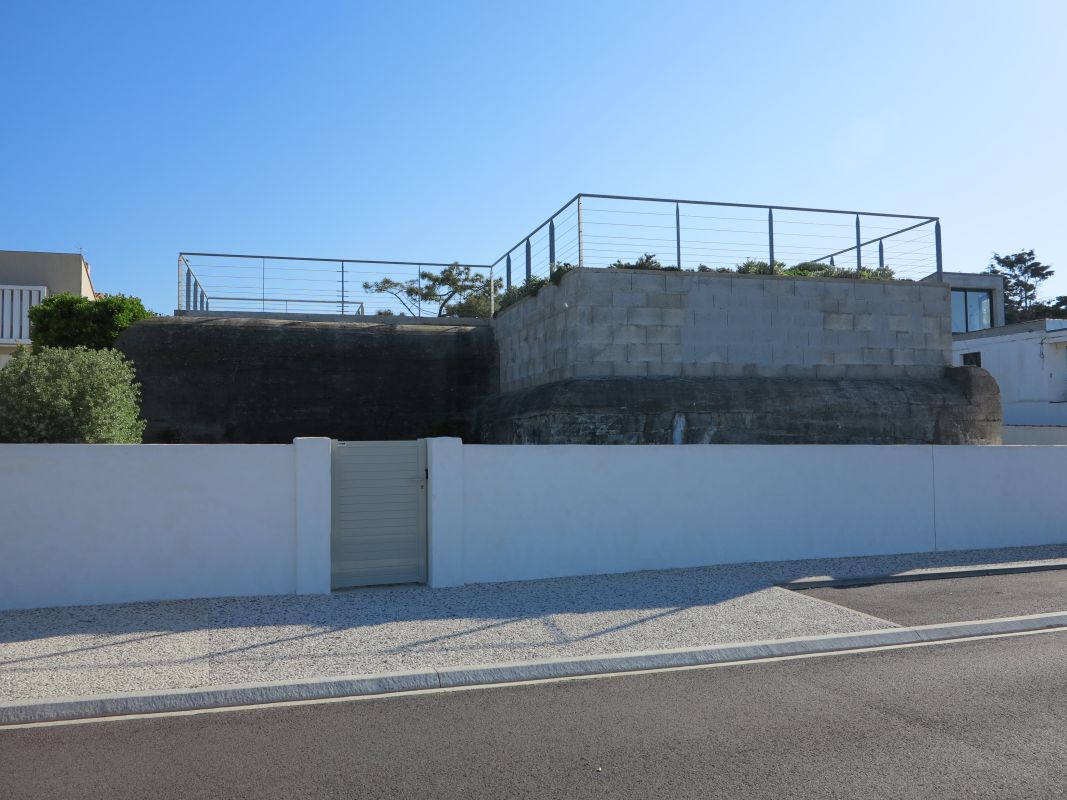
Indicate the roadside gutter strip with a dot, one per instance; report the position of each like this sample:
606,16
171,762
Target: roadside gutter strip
932,575
34,711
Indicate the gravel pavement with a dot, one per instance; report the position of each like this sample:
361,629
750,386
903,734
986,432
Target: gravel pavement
87,650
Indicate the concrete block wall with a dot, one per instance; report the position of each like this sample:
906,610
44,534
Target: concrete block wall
642,323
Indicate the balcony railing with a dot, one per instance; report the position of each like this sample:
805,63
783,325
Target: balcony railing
15,305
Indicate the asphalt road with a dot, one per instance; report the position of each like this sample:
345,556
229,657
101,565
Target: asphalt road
984,718
928,602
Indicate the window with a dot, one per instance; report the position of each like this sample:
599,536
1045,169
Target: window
972,359
972,310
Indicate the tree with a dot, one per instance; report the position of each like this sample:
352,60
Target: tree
1023,274
454,285
77,395
70,320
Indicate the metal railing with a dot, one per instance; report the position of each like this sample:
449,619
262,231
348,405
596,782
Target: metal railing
600,230
589,230
297,284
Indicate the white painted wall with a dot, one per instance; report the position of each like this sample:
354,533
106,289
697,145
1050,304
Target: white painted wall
1029,367
113,523
1036,434
548,511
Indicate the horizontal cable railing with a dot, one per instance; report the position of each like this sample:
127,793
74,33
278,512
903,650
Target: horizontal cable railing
589,230
303,285
595,230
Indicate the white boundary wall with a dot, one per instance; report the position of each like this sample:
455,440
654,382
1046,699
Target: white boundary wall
86,524
514,512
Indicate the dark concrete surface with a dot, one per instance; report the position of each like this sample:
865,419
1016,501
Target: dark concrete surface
209,379
975,719
963,407
928,602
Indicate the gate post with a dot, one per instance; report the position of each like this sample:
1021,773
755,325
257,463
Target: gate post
444,512
313,496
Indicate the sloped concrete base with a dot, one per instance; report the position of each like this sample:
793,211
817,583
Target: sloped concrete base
963,407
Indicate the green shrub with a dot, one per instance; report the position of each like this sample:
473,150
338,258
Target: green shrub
647,261
77,395
528,288
69,320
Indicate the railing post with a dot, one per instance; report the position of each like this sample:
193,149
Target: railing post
492,295
770,239
263,284
580,262
881,255
678,235
188,288
418,300
342,288
937,246
507,273
859,254
529,266
551,246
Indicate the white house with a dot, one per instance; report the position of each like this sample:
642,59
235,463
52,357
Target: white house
1029,362
26,278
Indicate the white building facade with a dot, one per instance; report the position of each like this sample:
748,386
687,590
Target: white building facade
1029,362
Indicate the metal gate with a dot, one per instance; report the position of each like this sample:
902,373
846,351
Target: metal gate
379,513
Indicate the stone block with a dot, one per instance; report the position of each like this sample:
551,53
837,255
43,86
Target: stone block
711,320
848,356
666,300
904,322
863,322
663,334
648,282
838,322
644,316
673,282
609,315
628,298
596,334
905,356
676,316
644,352
614,353
671,353
877,355
779,286
631,369
628,334
749,353
869,290
911,339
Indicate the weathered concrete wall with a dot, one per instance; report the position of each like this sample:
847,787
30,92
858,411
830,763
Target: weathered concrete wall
963,407
263,381
638,323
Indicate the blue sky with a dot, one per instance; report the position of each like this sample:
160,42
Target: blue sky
448,130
